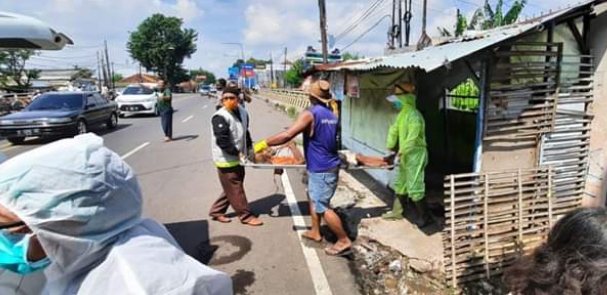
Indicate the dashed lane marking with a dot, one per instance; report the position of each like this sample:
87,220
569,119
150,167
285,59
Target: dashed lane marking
134,150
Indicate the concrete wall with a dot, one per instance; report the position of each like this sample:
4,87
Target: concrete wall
596,186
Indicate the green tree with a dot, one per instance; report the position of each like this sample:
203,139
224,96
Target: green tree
210,76
486,18
294,75
82,73
117,77
350,56
160,44
12,69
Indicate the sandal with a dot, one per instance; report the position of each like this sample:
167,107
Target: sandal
331,251
222,219
253,221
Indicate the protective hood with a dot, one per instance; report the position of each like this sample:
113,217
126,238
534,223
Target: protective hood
76,195
408,101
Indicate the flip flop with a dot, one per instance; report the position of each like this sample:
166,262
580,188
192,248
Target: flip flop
222,219
331,251
303,236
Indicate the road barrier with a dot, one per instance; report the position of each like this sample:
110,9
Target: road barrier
290,98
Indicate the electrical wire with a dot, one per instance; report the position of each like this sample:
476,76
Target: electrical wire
367,31
378,3
359,16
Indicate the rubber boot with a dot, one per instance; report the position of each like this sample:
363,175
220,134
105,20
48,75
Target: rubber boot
397,211
423,217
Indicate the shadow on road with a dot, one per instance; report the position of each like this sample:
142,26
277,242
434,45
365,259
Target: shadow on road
185,137
193,237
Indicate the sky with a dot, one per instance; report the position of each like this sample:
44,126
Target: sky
263,27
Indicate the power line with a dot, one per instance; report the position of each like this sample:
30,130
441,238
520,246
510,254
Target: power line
358,16
361,19
379,13
367,31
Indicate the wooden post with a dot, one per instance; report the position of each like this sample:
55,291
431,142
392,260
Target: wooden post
453,264
486,226
550,198
520,205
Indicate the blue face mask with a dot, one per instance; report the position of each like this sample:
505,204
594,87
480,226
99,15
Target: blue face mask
397,105
13,253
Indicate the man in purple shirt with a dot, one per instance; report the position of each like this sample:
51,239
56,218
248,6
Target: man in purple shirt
319,127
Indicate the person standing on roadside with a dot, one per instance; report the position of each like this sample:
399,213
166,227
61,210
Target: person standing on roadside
319,127
231,139
165,109
220,85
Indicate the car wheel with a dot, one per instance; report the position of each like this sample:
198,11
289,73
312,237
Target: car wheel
16,140
156,112
112,122
82,128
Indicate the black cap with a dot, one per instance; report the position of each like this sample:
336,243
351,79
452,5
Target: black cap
233,90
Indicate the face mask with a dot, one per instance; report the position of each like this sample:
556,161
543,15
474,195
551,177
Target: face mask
396,103
13,253
231,104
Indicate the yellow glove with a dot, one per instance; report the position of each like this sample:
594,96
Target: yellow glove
260,146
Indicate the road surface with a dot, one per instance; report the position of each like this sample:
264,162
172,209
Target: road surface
179,183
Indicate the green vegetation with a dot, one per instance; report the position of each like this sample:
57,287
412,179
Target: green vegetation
469,92
160,44
486,18
292,112
82,73
13,74
294,75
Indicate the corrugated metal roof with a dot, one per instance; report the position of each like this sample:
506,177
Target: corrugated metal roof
434,57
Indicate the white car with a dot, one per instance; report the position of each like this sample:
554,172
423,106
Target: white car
137,99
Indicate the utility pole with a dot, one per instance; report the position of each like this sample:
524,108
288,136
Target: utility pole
284,73
107,60
392,39
271,70
103,70
400,23
98,72
323,30
140,77
424,18
113,80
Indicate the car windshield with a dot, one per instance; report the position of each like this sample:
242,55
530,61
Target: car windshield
56,102
206,87
137,91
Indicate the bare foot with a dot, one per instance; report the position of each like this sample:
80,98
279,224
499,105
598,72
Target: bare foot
309,235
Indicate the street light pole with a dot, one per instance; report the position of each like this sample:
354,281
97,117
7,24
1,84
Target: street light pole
241,49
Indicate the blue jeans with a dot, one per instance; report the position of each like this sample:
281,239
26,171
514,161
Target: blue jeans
166,120
321,188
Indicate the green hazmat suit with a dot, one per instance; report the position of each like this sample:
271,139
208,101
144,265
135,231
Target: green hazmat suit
408,134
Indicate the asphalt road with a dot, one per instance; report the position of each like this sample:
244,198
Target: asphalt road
179,183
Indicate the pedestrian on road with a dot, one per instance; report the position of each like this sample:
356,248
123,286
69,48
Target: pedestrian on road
319,127
73,209
407,138
165,108
231,140
220,85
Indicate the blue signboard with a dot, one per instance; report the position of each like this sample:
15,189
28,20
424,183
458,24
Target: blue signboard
233,73
248,66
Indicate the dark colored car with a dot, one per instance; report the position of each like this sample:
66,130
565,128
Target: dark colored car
59,114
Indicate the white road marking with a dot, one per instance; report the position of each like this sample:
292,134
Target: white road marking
319,279
205,106
188,119
134,151
5,145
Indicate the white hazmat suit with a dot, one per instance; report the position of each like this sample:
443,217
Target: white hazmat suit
84,204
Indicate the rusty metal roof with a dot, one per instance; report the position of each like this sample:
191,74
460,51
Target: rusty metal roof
434,57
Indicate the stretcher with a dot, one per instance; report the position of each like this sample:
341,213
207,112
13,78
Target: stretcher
343,166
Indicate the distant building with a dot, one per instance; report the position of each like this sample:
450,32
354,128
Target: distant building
139,78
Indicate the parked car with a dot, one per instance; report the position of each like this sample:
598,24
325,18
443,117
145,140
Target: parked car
137,99
59,114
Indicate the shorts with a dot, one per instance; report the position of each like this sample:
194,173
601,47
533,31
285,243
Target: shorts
321,188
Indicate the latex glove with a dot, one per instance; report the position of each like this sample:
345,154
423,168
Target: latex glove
260,146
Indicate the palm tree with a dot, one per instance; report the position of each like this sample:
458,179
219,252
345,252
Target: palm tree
486,18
